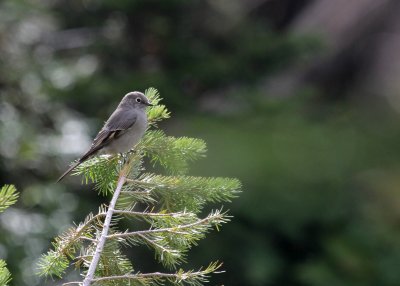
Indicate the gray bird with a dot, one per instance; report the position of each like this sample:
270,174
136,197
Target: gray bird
122,130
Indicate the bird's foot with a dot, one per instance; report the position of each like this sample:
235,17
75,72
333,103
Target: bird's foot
124,157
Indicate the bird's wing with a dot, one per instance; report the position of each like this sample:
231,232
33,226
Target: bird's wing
118,123
121,119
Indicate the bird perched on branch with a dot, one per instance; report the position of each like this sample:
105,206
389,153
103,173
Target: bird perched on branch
122,130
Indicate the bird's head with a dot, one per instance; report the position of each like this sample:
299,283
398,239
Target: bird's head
135,99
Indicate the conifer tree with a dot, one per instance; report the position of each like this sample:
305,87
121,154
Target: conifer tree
8,197
170,205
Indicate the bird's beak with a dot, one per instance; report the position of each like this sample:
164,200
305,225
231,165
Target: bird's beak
149,104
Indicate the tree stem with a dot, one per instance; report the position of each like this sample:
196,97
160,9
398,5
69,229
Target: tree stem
100,245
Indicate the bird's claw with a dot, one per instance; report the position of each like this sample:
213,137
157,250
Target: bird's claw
124,157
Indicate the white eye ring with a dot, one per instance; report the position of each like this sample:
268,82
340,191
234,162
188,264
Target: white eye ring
138,100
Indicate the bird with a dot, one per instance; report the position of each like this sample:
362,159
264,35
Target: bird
123,129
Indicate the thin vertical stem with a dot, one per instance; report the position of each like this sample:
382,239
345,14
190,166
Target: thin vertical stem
100,245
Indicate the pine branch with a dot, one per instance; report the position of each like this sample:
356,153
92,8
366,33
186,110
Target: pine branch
8,197
66,245
172,153
101,170
158,111
100,245
185,192
147,215
112,261
55,262
130,197
216,218
172,241
179,278
104,170
5,275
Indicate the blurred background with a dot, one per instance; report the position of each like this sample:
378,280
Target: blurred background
300,100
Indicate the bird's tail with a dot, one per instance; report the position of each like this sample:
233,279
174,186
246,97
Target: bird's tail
69,170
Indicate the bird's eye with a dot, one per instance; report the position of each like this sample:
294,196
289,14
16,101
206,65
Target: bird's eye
138,100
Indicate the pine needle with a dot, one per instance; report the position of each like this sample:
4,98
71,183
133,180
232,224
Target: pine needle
8,197
5,275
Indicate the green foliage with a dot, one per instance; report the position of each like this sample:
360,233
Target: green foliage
53,263
158,111
179,278
5,275
112,261
171,239
173,205
172,153
177,193
8,197
102,170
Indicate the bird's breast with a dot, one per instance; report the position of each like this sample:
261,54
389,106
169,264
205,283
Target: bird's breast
129,138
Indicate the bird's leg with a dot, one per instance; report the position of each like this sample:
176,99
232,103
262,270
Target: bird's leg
124,157
132,151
